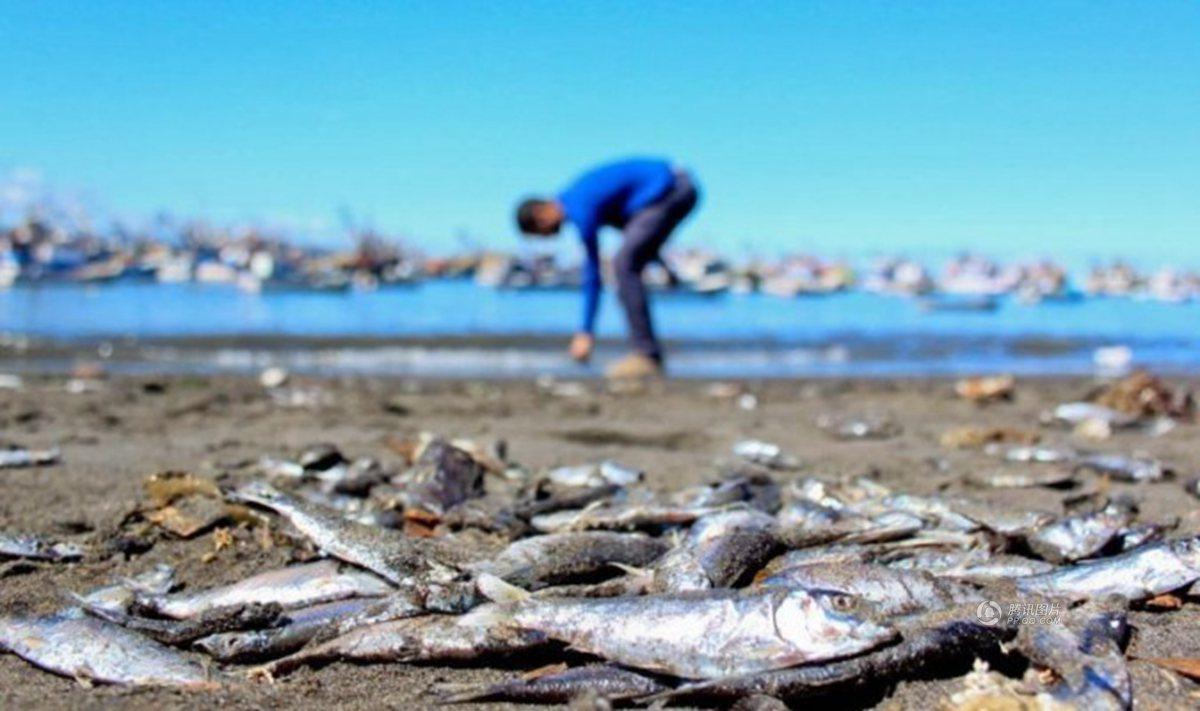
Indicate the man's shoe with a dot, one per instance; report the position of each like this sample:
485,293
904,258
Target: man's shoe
633,366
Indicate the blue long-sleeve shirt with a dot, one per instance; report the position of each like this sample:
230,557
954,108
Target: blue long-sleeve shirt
608,195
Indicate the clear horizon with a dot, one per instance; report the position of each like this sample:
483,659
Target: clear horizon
843,129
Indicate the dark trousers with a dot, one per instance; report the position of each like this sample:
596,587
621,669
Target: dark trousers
645,234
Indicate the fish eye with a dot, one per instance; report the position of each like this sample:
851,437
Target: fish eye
843,603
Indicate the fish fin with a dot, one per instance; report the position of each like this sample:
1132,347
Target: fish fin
496,590
459,693
631,569
262,673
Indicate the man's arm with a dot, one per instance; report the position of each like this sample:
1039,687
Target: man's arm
591,278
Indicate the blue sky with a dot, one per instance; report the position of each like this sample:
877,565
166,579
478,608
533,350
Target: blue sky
849,127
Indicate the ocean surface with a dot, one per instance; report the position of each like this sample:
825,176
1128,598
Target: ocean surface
456,329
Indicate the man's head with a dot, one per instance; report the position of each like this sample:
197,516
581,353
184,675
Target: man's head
539,217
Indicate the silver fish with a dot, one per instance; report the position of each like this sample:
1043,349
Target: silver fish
416,639
560,557
119,596
590,475
764,453
624,516
1141,573
391,555
1031,454
1073,413
19,458
1081,536
718,551
891,591
697,635
974,566
944,642
78,646
28,547
297,629
291,587
1121,468
608,682
1020,478
179,632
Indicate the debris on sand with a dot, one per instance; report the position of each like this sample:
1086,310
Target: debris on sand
974,437
1143,395
986,389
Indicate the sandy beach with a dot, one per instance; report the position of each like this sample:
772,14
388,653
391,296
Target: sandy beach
120,430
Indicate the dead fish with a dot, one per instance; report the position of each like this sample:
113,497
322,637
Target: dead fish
19,458
1011,478
1073,413
1031,454
426,638
1193,487
945,644
697,635
296,629
81,647
1142,573
443,477
836,553
29,547
609,682
891,591
543,501
119,596
1141,534
291,587
764,453
624,516
848,527
280,469
850,427
1121,468
717,551
1004,520
755,490
393,556
980,567
588,475
1080,536
1085,652
178,632
560,557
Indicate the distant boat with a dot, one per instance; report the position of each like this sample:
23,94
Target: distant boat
967,304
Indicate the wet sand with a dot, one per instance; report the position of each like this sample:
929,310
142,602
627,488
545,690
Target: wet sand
128,428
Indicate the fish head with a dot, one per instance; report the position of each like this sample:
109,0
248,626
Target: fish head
221,646
257,492
1188,550
830,619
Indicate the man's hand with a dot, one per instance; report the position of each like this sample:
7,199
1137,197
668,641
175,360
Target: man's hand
581,347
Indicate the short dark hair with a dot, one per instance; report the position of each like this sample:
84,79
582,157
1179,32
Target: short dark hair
527,214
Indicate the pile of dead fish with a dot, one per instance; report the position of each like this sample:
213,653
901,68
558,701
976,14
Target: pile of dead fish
767,581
